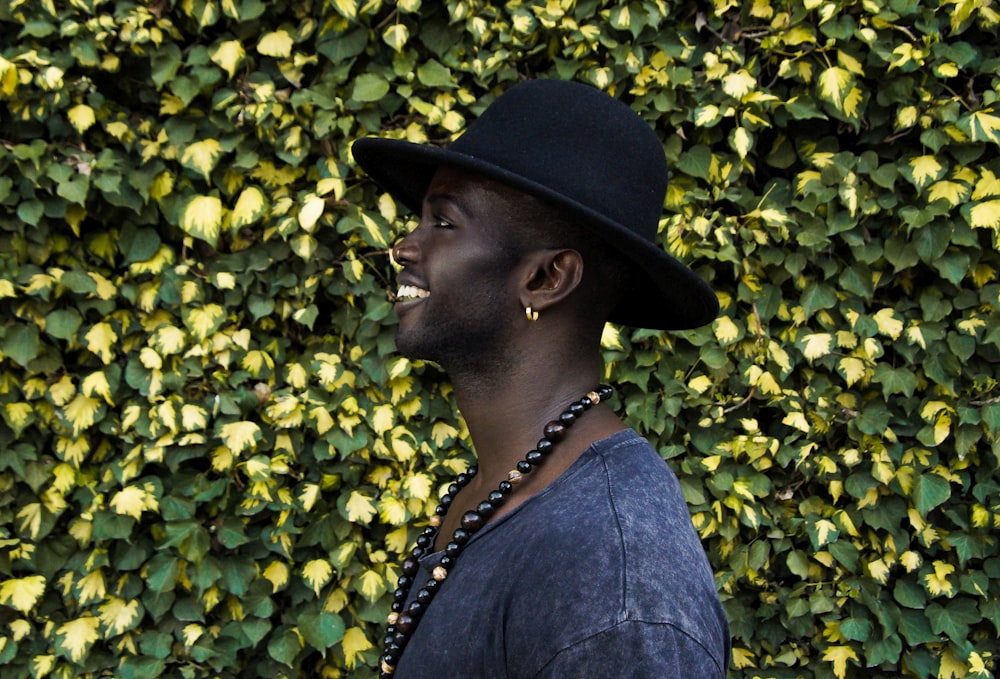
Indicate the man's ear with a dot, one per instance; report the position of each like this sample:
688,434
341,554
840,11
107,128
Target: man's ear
550,276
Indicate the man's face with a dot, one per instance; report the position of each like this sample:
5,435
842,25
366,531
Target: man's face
457,294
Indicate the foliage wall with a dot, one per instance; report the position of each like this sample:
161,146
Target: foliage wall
209,453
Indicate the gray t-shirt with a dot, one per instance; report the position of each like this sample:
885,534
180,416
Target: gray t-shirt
599,575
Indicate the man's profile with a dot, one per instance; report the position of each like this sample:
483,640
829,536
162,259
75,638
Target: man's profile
568,550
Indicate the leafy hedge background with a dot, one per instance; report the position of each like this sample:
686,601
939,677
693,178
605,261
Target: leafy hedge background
210,456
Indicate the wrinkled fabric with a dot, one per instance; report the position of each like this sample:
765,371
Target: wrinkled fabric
599,575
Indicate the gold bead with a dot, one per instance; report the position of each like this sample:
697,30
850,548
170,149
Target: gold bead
393,617
387,668
514,476
435,521
439,573
594,397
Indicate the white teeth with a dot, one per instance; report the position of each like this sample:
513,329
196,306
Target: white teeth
410,292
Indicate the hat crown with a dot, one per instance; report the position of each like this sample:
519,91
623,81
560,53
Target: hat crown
580,144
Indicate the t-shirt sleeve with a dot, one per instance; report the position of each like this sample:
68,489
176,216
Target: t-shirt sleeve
638,650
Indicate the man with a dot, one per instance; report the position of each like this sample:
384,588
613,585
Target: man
568,551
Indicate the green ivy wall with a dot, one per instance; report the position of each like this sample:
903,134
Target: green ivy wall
210,456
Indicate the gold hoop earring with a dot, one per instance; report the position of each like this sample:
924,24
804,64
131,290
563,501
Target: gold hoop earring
531,314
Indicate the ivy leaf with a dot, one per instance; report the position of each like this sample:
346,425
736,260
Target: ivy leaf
985,215
201,217
22,593
119,616
369,87
249,208
77,636
321,630
228,55
953,619
82,117
354,643
317,573
276,44
360,508
202,156
839,655
21,344
240,436
930,491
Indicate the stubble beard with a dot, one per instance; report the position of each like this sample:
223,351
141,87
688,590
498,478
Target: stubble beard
473,347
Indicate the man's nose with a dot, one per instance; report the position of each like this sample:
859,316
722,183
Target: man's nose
405,251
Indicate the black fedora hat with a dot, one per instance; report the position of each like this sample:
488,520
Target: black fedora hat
584,152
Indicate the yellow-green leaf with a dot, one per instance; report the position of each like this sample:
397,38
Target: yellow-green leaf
371,585
726,331
925,169
81,413
317,573
203,321
240,436
839,655
22,593
250,207
202,218
737,85
169,339
311,211
129,501
82,117
360,508
276,44
100,339
77,636
354,644
985,215
817,345
118,615
202,156
852,368
888,324
228,55
277,573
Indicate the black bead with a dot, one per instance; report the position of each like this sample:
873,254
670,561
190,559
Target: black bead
400,594
440,510
586,402
405,623
410,566
423,596
505,487
429,530
432,586
397,606
523,467
399,639
453,549
446,562
417,552
567,418
461,480
533,457
472,471
416,609
404,582
544,446
446,501
424,541
485,509
460,536
472,521
605,392
554,431
496,498
453,488
576,408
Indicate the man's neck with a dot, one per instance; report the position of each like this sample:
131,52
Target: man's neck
507,414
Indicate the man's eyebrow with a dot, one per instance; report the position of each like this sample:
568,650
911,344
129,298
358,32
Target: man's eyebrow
436,198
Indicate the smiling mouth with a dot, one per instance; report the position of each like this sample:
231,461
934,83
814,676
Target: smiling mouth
408,293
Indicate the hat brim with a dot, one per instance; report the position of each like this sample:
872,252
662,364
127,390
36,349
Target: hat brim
666,294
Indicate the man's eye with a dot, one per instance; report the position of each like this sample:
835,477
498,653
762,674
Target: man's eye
442,223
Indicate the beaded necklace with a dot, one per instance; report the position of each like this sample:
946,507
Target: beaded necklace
404,618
